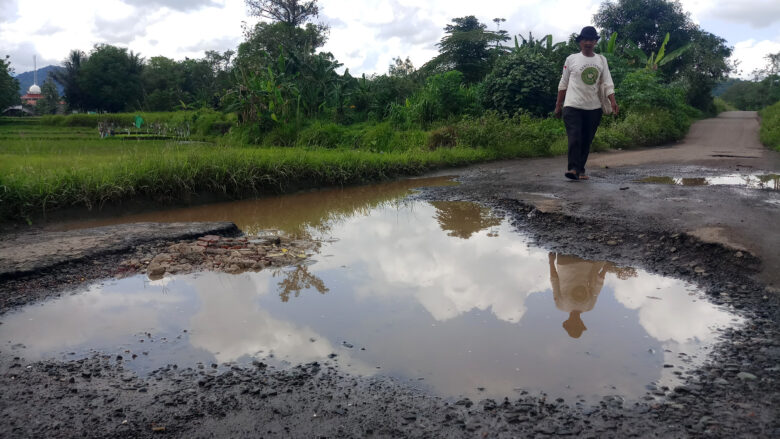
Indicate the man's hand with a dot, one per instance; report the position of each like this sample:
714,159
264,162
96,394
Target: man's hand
615,107
558,111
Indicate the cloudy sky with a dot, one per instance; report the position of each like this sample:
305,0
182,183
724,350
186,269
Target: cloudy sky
365,34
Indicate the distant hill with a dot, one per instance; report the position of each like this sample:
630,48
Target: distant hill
26,79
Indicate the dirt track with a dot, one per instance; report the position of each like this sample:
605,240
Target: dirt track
737,217
729,231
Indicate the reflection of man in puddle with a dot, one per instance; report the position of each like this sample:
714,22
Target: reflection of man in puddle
576,284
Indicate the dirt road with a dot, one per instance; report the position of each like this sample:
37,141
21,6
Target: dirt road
733,215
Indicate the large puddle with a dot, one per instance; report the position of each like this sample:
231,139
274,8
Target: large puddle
442,295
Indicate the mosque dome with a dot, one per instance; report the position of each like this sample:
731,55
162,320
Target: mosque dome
34,90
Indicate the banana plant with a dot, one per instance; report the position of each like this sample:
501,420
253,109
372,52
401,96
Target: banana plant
267,96
654,61
544,45
607,46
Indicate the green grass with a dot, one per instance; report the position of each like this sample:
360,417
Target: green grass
721,105
45,166
770,126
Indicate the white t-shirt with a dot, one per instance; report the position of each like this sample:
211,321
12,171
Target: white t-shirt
580,79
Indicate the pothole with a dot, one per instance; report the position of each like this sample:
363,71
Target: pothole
443,295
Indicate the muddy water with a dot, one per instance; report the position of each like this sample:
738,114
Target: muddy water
442,295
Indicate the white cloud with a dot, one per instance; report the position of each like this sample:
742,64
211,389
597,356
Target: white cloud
447,276
752,53
365,35
231,324
757,13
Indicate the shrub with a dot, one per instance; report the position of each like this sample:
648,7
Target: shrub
721,105
282,134
521,81
380,138
444,95
642,90
446,136
325,135
770,126
519,136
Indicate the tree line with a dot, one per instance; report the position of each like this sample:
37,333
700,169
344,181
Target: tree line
278,77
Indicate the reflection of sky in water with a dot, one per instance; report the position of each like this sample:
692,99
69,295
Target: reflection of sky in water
441,291
754,181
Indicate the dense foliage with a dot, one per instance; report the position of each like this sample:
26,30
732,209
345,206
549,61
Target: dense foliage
521,81
8,85
644,23
281,87
763,91
770,126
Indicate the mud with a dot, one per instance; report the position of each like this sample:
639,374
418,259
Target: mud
221,254
735,394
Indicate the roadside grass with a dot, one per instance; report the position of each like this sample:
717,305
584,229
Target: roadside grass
721,106
44,167
770,126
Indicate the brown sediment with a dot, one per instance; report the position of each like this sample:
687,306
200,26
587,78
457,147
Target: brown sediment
219,253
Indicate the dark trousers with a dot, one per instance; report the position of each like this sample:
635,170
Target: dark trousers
581,127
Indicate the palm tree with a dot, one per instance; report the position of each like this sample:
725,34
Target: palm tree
68,78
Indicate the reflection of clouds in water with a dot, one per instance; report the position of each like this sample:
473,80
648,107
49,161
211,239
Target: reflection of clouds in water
101,313
448,276
231,324
675,317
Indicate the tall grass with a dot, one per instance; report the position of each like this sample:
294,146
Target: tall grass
47,167
37,182
770,126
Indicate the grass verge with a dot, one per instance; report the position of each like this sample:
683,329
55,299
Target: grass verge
770,126
44,166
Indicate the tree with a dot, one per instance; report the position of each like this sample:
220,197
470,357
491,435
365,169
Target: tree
50,103
401,68
646,22
466,47
525,80
701,68
772,67
9,86
763,91
163,81
68,78
111,79
291,12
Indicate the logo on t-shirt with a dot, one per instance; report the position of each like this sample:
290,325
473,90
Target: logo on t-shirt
590,75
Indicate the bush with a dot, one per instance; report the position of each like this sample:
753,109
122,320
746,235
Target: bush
283,134
325,135
770,126
521,81
519,136
379,138
446,136
646,128
443,96
721,106
642,90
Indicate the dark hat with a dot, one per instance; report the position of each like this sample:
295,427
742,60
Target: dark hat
588,33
